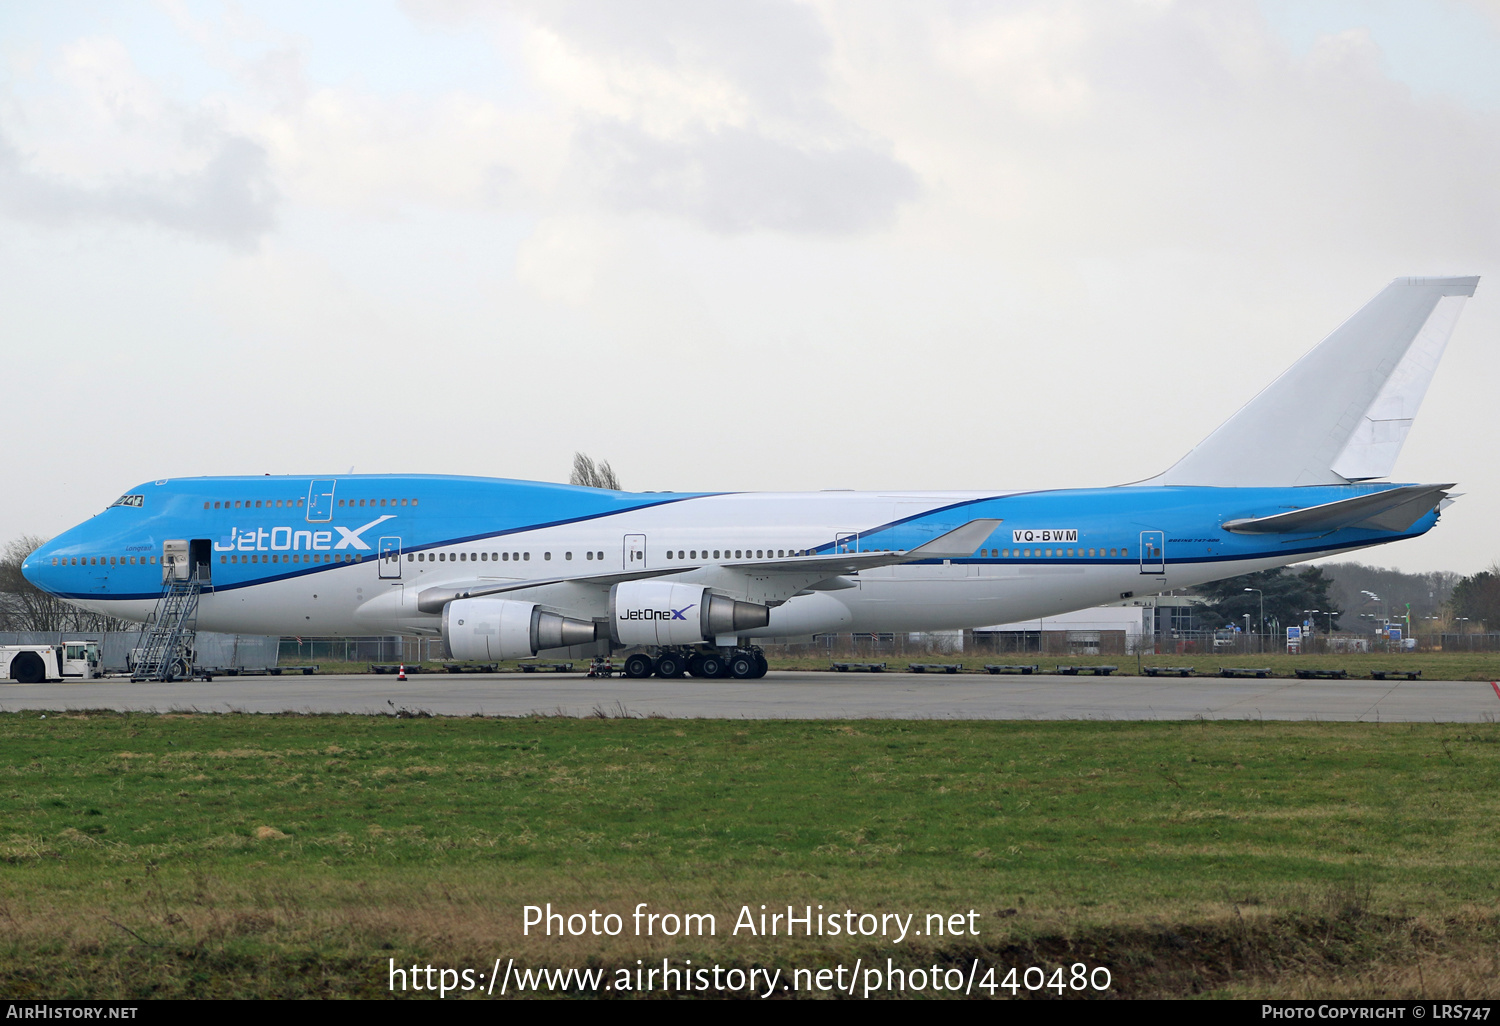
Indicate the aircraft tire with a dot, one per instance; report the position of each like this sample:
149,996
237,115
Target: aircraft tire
711,665
761,666
669,665
639,665
742,666
28,668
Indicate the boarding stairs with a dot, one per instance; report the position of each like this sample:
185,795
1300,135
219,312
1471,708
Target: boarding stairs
167,651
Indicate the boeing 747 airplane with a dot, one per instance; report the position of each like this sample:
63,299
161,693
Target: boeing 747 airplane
510,569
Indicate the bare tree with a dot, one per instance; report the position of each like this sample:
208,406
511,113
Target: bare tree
25,607
591,475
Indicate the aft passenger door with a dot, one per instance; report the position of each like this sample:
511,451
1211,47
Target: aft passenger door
1153,552
635,552
390,558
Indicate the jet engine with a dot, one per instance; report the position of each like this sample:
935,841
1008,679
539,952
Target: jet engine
486,628
667,613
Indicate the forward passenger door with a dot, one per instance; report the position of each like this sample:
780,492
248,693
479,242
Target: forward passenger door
390,557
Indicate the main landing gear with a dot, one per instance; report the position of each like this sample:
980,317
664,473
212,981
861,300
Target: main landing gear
739,663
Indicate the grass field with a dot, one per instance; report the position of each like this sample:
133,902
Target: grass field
237,855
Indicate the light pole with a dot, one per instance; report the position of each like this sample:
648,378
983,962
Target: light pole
1262,596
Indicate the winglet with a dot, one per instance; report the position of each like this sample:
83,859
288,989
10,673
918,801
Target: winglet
957,543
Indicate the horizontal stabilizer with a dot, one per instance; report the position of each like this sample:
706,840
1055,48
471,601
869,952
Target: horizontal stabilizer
1393,509
1342,412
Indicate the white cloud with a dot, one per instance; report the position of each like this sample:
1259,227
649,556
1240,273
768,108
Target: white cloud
228,200
717,115
1024,244
117,149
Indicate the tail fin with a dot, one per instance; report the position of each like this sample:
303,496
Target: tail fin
1341,413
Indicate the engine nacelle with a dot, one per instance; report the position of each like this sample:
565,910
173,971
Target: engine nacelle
486,628
668,613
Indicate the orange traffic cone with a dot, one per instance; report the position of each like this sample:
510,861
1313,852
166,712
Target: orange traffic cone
401,673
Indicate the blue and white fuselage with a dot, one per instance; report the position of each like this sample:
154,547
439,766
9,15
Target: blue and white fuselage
501,568
353,556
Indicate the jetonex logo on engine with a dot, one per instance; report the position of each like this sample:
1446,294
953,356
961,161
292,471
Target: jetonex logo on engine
657,614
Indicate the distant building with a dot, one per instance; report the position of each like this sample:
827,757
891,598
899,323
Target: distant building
1103,630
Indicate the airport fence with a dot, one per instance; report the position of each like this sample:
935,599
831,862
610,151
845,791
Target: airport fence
388,648
1337,643
900,645
1063,643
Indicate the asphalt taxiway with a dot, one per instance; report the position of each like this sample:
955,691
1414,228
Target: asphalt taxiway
793,696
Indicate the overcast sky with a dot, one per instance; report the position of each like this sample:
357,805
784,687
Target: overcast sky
726,246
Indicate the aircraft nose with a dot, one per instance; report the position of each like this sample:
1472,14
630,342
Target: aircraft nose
37,567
